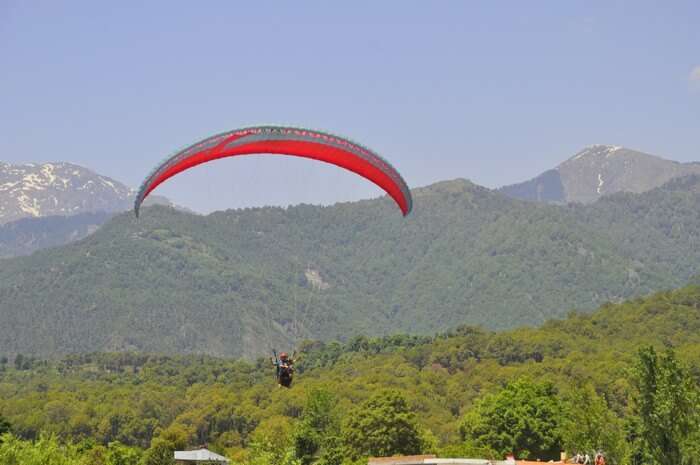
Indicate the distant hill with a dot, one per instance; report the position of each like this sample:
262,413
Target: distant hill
240,281
22,237
55,195
599,170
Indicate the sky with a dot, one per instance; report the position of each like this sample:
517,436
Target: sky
494,92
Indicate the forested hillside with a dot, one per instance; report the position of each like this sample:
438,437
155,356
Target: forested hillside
22,237
584,373
240,281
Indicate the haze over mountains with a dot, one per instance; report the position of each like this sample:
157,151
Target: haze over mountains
600,170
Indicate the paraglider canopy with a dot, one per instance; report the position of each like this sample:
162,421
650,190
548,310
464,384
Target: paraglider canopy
283,140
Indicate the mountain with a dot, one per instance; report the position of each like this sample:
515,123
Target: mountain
25,236
600,170
240,281
51,204
49,189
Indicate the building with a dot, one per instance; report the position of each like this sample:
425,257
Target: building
432,460
400,460
199,457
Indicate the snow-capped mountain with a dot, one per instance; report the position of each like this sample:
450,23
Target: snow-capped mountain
50,204
598,170
64,189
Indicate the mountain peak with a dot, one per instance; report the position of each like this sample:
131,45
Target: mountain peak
57,188
598,170
457,184
451,186
598,150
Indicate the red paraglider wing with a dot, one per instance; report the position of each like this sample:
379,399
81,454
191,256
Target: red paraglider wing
284,141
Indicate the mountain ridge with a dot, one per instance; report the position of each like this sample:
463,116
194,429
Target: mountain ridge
73,200
233,282
34,190
600,170
57,188
27,235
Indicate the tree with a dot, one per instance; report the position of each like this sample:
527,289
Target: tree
97,455
45,451
160,453
333,452
382,426
5,426
590,426
319,422
177,435
524,418
272,443
667,402
119,454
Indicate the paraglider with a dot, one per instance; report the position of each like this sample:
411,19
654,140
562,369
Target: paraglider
284,369
283,140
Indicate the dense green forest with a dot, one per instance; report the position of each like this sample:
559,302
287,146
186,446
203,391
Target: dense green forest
233,283
623,380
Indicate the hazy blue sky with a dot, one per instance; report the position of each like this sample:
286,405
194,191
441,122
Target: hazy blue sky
495,92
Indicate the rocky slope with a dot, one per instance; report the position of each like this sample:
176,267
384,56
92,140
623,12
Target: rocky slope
50,189
51,204
600,170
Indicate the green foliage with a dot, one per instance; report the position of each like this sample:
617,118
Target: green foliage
319,421
22,362
24,236
160,453
261,456
272,443
94,400
333,451
5,426
591,426
523,418
233,283
319,412
46,451
668,405
383,425
119,454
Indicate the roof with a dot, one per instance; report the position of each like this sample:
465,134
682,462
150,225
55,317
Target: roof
538,462
468,462
432,460
201,455
397,460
